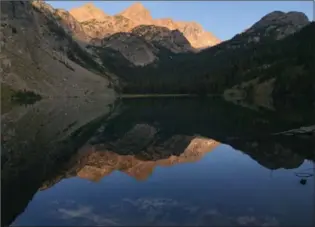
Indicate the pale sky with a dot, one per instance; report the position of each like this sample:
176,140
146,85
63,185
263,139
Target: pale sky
223,18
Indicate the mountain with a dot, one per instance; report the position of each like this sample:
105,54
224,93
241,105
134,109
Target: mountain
274,26
85,52
197,36
145,44
99,25
134,48
172,40
277,63
99,42
138,14
38,55
193,32
88,12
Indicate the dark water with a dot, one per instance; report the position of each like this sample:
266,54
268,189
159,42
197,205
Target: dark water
163,162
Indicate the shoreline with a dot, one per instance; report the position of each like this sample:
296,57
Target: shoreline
124,96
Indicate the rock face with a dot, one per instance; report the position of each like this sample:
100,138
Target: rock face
100,25
172,40
276,25
295,19
134,48
137,13
197,36
133,32
88,12
39,55
100,29
71,25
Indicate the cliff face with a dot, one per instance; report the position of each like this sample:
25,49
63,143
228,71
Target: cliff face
172,40
132,47
133,33
138,13
99,25
88,12
39,55
100,29
196,35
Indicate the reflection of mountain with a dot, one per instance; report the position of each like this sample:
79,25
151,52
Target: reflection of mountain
142,148
244,129
37,139
137,154
102,163
276,152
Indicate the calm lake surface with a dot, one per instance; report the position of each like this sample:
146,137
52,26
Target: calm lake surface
157,162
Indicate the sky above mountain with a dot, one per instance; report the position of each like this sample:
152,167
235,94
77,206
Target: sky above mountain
223,18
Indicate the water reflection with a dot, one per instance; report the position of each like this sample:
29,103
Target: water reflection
35,142
96,162
165,162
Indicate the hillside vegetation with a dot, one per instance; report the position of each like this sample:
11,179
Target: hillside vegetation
289,61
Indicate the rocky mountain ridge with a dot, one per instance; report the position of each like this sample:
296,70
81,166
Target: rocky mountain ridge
138,44
38,55
141,50
274,26
255,58
98,24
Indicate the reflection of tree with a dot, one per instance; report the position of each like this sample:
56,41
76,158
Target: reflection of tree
276,152
212,118
221,121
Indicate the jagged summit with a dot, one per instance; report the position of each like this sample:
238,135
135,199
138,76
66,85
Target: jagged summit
88,12
138,13
89,5
98,25
137,6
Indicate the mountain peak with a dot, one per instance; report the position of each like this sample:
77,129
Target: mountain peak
89,5
137,6
137,13
279,17
88,12
275,26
